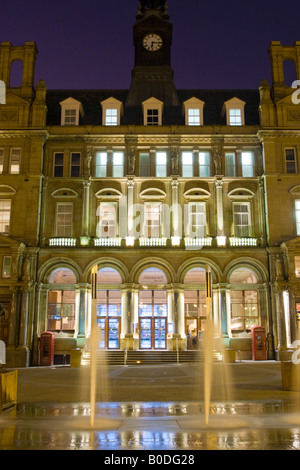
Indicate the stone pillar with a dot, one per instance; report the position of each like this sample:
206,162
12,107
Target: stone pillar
178,315
24,320
127,317
223,311
85,211
219,200
130,203
176,232
13,319
83,292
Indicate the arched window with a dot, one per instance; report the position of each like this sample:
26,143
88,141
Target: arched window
16,74
61,300
289,71
153,309
244,305
109,307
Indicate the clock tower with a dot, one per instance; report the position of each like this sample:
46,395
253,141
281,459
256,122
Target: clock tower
152,76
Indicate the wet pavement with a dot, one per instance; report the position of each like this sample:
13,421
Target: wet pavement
53,412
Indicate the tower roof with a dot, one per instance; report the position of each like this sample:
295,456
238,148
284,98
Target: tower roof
147,7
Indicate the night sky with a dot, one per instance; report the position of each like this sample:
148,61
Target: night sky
87,44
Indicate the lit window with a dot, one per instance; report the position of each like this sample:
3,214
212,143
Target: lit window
297,208
5,210
247,164
241,220
107,226
187,164
235,117
6,267
58,165
64,220
152,220
161,164
230,164
144,164
1,160
244,310
111,117
15,159
204,164
197,219
290,161
118,164
75,164
194,117
101,164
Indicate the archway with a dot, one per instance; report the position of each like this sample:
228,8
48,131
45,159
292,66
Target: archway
61,301
194,306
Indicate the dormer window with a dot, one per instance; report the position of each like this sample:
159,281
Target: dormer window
153,110
193,112
71,110
234,109
112,110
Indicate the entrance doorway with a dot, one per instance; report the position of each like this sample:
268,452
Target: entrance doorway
153,333
109,333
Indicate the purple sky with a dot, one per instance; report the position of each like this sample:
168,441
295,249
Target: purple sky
88,43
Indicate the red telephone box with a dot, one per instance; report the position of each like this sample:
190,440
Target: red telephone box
47,349
258,342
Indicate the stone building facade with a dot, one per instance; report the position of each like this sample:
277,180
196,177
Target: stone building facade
153,185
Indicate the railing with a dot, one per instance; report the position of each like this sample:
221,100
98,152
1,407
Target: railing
153,241
197,242
62,241
107,241
235,241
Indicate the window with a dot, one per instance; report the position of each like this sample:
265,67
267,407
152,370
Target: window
112,110
161,164
152,220
244,310
118,164
290,161
247,164
241,220
144,164
230,164
1,160
187,164
235,117
152,111
5,210
297,208
234,110
70,117
194,117
101,164
61,310
58,165
64,220
15,159
197,219
111,117
75,165
152,117
107,226
6,267
193,111
70,111
204,164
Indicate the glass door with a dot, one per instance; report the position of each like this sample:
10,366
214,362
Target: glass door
160,333
146,333
113,333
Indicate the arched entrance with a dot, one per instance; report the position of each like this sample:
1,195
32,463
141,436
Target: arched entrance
194,306
109,307
153,309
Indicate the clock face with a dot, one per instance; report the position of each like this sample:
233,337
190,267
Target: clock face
152,42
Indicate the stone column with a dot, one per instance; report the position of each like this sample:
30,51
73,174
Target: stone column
127,317
219,200
24,320
223,310
176,232
83,292
85,211
130,203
